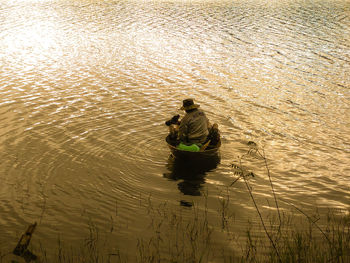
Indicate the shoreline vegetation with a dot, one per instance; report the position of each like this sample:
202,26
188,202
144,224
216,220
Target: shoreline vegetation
279,236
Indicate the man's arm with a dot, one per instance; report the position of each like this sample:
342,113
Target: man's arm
183,130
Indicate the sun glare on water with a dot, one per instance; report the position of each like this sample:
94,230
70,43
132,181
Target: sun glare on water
29,39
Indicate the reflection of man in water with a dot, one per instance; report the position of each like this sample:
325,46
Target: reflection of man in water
191,175
194,125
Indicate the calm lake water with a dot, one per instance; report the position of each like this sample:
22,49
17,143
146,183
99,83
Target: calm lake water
87,85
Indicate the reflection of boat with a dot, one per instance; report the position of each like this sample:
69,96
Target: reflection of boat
191,175
212,151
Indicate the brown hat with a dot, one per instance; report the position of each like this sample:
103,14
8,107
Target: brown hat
188,104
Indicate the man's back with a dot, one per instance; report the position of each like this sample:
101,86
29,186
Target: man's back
194,127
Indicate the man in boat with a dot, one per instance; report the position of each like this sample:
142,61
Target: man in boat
192,130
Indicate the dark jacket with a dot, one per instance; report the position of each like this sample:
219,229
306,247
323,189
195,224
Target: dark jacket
194,127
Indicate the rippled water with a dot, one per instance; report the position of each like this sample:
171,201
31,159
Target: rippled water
87,85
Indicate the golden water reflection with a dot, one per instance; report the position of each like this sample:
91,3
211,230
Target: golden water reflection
86,87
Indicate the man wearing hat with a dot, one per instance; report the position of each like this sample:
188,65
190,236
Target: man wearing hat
194,125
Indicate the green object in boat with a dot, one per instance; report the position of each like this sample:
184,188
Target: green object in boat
190,148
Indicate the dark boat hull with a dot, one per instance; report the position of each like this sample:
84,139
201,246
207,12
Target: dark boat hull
208,154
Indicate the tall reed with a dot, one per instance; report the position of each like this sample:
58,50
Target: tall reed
287,242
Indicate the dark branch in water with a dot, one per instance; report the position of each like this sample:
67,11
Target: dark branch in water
22,247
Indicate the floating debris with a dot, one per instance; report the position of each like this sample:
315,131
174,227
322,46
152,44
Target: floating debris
186,203
22,247
252,144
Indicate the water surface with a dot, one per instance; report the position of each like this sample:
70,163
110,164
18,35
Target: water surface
87,85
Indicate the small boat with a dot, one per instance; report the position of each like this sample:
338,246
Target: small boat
210,152
195,156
